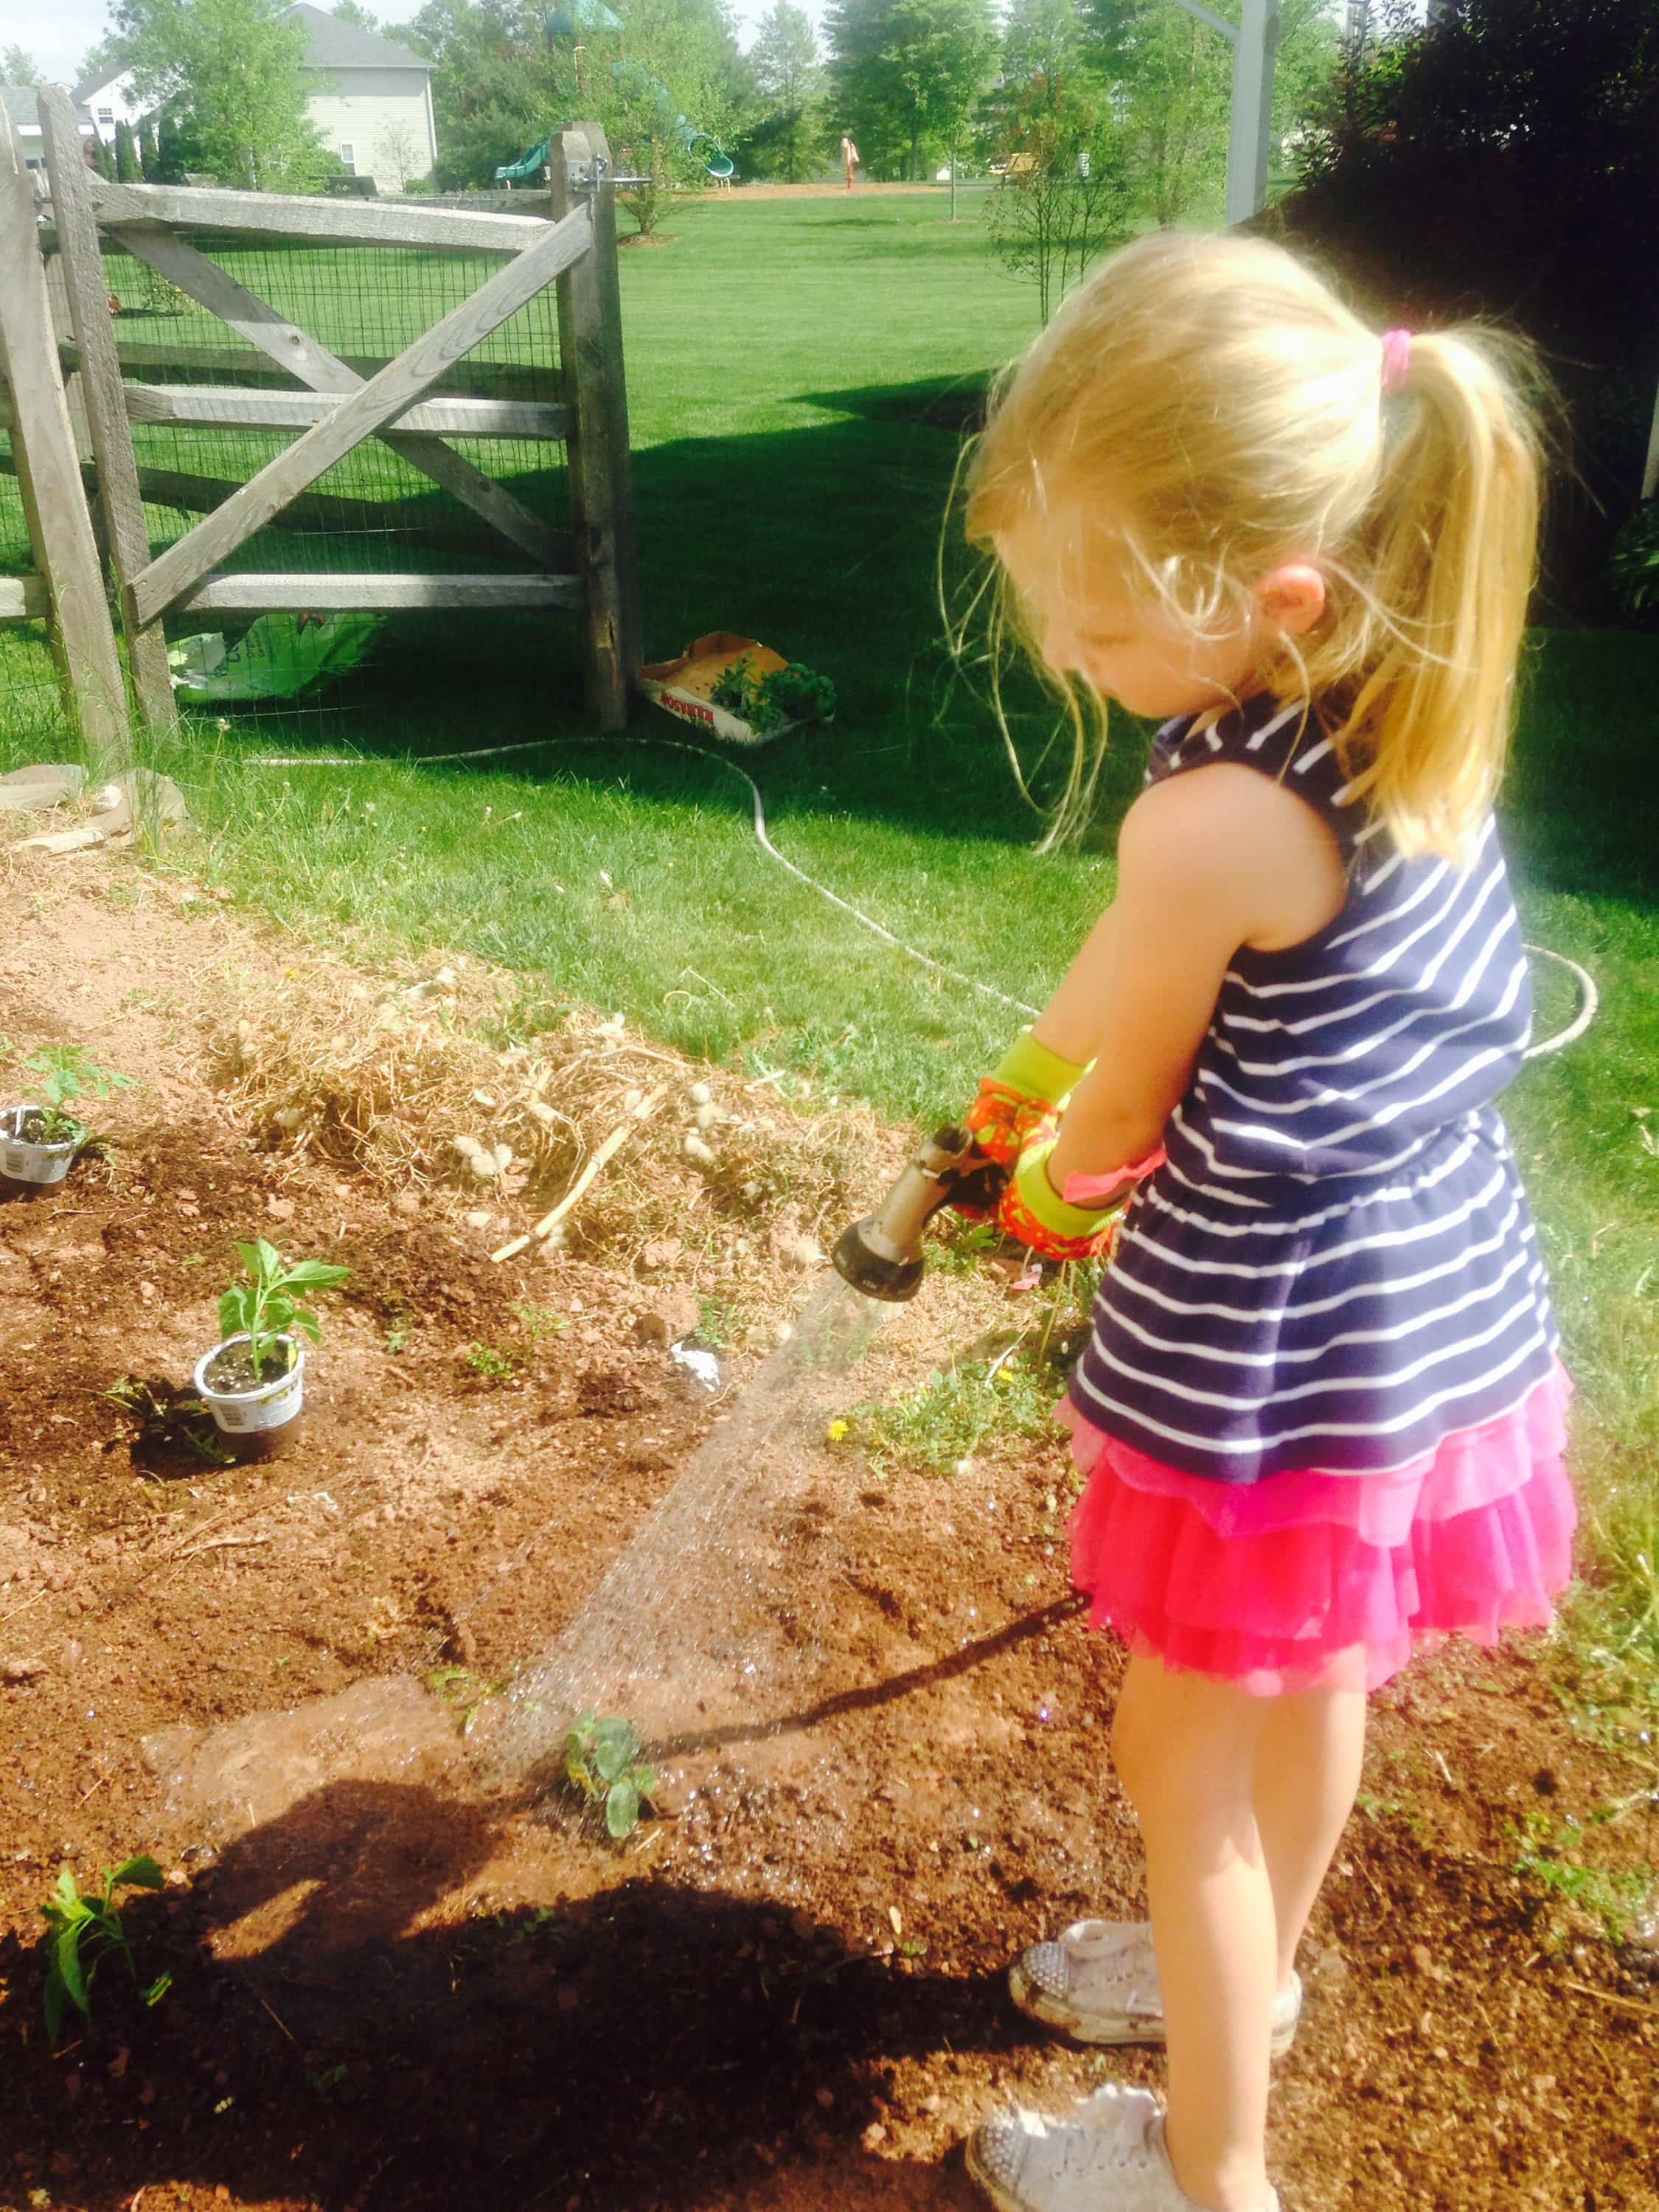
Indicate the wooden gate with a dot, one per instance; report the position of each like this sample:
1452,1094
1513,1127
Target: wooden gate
335,408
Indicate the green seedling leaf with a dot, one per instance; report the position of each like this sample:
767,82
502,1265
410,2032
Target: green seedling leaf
66,1958
315,1275
622,1809
141,1872
158,1989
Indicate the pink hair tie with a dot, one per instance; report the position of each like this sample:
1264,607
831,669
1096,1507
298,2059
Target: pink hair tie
1396,361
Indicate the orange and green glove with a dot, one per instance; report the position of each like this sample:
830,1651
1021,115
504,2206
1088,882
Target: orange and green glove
1027,1083
1035,1213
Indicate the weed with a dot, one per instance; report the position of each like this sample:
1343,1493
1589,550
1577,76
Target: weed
720,1323
327,2079
934,1429
489,1363
602,1760
463,1689
168,1417
84,1932
397,1336
60,1072
1548,1854
537,1321
264,1306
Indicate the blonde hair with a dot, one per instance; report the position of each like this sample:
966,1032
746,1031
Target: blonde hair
1215,399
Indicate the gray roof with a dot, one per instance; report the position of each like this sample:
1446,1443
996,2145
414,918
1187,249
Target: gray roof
111,73
338,45
22,104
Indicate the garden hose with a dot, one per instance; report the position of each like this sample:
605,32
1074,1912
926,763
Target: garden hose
1589,997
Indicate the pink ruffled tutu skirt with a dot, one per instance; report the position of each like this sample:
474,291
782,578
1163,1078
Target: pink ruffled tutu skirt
1309,1581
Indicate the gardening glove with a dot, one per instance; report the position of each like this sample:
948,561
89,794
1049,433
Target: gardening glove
1028,1082
1080,1225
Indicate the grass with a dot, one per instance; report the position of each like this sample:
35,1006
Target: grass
799,374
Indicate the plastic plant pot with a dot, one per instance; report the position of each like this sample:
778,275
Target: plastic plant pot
255,1410
24,1159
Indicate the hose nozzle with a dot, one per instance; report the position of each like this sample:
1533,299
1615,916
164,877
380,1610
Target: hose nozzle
881,1254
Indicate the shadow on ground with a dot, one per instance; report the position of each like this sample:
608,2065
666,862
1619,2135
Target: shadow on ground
649,2046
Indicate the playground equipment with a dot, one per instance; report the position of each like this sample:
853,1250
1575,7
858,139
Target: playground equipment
574,24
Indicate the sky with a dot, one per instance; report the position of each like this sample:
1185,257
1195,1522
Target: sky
59,36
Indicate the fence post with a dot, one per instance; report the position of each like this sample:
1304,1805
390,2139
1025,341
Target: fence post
81,257
49,474
601,466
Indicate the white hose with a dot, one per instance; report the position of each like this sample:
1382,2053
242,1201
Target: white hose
1589,997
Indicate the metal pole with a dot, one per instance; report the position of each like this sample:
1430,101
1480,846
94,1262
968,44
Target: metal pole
1256,51
1254,42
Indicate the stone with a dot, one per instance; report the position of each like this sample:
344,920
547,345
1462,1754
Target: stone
672,1314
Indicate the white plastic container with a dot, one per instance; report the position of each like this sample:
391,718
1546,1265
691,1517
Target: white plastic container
252,1412
23,1160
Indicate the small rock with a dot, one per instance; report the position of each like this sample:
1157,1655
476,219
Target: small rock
695,1149
1422,1958
874,2136
934,2104
407,1202
706,1117
477,1218
16,1671
279,1209
671,1316
700,1095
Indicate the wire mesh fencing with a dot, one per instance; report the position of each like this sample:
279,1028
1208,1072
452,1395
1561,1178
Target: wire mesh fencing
373,513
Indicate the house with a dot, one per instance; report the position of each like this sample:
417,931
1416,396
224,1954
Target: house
22,105
370,98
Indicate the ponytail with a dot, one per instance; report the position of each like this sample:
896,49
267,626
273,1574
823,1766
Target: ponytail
1446,564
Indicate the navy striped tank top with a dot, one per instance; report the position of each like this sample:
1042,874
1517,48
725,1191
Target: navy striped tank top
1334,1268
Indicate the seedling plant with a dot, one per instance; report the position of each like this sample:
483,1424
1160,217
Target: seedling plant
602,1761
793,694
59,1073
263,1305
85,1931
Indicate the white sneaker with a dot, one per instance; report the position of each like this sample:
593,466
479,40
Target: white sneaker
1099,1984
1107,2157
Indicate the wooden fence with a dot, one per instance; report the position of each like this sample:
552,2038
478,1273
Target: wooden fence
72,396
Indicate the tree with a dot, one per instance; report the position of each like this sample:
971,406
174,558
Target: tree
149,152
129,170
353,11
1067,190
18,67
788,81
905,73
1172,80
235,70
399,150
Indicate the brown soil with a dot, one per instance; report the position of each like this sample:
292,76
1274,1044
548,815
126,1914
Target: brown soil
401,1986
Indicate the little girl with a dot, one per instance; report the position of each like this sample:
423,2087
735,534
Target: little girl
1321,1411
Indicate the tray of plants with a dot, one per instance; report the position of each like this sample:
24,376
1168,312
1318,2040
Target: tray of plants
738,689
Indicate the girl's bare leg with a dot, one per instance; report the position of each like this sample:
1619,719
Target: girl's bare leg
1307,1774
1185,1747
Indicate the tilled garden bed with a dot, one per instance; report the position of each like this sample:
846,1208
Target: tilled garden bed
401,1983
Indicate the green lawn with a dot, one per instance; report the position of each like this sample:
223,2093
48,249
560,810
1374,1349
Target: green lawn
798,372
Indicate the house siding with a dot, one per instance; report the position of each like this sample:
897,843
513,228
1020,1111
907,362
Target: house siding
365,109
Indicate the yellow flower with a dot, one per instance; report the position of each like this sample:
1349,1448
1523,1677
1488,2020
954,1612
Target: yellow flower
837,1429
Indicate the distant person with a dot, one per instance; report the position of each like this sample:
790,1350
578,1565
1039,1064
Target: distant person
849,155
1319,1416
